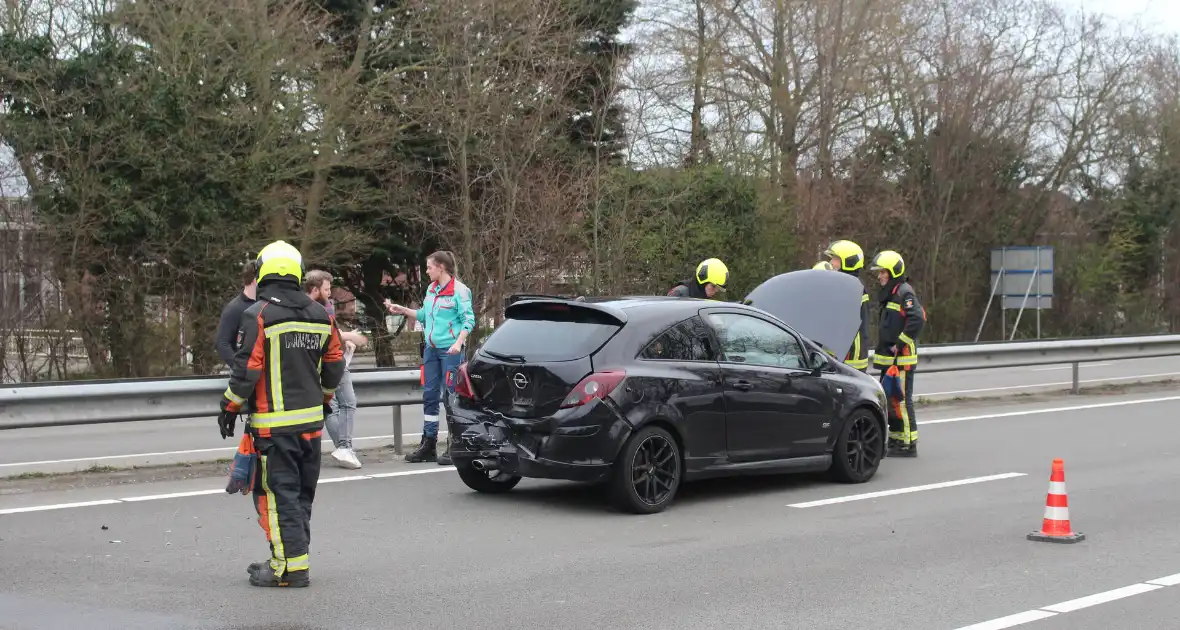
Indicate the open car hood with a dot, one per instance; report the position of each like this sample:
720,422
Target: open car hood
822,305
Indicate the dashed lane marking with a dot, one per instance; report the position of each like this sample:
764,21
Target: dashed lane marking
887,493
1032,412
1072,605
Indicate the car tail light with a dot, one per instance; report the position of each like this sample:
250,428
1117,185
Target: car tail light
597,385
463,383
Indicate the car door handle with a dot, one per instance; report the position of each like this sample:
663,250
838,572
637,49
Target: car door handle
743,385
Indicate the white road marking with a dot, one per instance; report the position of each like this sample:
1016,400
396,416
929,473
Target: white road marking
172,495
339,479
886,493
1058,384
58,506
1072,605
1011,620
227,449
1101,598
197,493
1030,412
405,473
1171,580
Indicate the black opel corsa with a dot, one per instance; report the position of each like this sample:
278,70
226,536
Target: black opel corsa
644,393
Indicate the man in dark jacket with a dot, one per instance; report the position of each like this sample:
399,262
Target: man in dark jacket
849,258
287,367
902,318
712,274
227,329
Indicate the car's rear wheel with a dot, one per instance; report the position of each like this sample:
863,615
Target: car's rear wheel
859,449
491,482
646,475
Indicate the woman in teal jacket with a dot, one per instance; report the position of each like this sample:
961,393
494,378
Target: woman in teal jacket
447,319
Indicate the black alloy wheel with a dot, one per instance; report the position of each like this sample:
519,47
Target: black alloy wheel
491,482
864,444
860,449
654,469
647,473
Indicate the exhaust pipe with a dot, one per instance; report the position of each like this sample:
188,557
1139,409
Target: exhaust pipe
485,465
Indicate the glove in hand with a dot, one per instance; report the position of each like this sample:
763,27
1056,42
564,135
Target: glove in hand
227,421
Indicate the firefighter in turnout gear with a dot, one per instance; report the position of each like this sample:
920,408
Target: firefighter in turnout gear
286,369
712,274
902,317
848,257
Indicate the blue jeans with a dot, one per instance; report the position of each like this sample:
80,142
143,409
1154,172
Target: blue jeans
439,369
340,422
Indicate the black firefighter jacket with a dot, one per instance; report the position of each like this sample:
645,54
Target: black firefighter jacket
288,363
689,289
902,319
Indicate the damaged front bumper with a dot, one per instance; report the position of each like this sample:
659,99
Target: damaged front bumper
579,447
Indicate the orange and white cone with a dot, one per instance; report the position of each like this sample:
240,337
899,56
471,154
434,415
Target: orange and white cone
1056,527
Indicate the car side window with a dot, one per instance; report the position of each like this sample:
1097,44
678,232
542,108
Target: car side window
752,341
686,341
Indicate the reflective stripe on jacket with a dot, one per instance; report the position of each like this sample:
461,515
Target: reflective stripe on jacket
858,354
289,363
902,319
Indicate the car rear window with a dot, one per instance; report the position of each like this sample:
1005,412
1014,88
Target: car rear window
558,335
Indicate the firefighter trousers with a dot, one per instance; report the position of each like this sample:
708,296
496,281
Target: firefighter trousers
288,471
903,426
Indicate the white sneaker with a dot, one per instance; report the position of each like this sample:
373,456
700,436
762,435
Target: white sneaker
345,459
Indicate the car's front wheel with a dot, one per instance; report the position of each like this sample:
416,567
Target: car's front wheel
859,449
492,482
646,476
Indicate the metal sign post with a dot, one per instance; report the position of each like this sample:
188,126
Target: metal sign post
1022,277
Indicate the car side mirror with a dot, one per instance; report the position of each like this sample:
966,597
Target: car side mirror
819,361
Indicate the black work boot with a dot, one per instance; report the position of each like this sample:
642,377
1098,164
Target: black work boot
897,448
267,578
426,451
445,458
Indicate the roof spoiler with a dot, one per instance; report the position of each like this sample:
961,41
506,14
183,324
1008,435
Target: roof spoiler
528,306
516,297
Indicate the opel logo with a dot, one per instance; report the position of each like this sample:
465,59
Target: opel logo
520,380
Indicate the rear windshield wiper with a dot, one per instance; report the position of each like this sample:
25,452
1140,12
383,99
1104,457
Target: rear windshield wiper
515,358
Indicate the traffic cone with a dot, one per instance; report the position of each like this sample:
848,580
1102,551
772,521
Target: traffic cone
1056,527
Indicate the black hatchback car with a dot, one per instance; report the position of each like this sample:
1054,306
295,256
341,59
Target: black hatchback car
644,393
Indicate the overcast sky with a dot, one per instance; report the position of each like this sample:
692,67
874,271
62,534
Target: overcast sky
1160,15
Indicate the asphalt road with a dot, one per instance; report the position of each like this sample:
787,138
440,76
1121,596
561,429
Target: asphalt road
65,449
421,550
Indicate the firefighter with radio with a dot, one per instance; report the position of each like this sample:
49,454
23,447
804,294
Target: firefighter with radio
286,369
902,318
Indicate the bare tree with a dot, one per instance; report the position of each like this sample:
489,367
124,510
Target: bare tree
496,106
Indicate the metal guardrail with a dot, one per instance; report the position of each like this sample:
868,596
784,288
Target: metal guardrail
130,400
984,356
